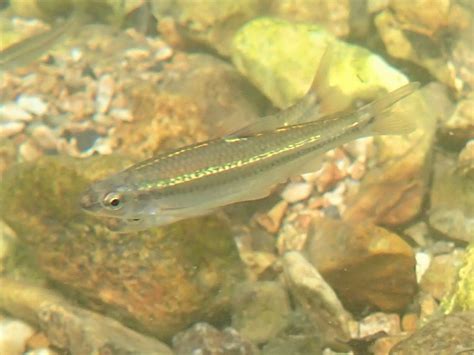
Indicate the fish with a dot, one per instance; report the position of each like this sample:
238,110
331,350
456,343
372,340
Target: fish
24,52
245,165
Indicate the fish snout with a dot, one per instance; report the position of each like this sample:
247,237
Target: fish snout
89,201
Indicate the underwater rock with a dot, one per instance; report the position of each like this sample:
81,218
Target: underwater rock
462,295
260,310
208,22
393,190
203,338
216,91
459,127
71,328
452,201
450,334
436,35
367,266
466,160
441,274
280,58
160,280
331,15
318,300
13,336
108,10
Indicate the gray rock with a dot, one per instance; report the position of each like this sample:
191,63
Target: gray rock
203,338
317,299
447,335
260,310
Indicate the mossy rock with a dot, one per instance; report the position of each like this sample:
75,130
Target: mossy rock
158,281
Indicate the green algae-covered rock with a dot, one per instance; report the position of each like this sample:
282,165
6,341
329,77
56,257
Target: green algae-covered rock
281,59
160,280
462,297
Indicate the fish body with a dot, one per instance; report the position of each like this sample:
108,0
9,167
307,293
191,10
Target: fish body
26,51
197,179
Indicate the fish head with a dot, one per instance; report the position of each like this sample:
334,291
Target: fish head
105,199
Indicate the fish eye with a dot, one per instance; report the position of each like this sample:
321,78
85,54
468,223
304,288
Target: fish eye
113,201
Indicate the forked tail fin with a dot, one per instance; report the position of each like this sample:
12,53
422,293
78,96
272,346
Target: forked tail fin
387,120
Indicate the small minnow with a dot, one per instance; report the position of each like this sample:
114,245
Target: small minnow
26,51
197,179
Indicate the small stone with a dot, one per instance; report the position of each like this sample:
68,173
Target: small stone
382,346
271,220
428,306
38,341
260,310
163,53
137,53
32,104
357,170
388,324
45,137
121,114
12,112
317,299
418,232
442,247
10,128
296,191
29,151
13,336
329,175
409,322
7,244
441,275
105,91
41,351
203,338
423,261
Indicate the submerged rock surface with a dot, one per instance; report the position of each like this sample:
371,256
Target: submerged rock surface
160,280
358,260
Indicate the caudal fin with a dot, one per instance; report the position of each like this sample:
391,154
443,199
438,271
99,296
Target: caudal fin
388,120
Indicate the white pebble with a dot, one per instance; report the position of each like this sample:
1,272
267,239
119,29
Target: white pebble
41,351
137,53
45,137
12,112
163,53
29,151
336,197
76,54
423,261
10,128
13,336
121,114
32,104
105,91
296,191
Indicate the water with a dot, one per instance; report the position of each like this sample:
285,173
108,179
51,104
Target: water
345,258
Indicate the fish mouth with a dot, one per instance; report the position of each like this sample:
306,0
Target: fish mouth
89,201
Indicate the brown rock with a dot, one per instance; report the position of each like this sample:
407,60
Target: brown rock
368,266
446,335
392,191
159,280
71,328
441,274
379,322
452,201
203,338
382,346
409,322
